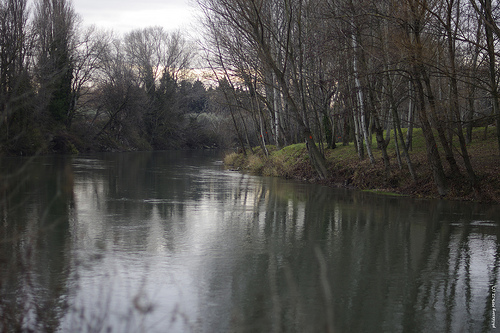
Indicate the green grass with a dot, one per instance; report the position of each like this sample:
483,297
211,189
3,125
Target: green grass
346,168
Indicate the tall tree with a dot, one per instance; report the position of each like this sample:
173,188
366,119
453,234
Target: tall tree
487,11
16,93
416,15
159,58
55,24
91,46
451,20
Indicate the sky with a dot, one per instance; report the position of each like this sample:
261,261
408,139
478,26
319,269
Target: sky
125,15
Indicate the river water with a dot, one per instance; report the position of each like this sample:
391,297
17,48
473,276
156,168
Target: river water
172,242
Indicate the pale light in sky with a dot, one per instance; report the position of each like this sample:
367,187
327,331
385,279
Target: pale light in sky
124,16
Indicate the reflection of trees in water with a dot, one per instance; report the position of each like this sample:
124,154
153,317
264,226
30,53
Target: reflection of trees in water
36,206
135,205
453,280
391,263
273,255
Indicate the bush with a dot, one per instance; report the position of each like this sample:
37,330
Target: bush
234,161
255,163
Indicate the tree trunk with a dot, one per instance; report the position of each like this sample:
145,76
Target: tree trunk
450,158
317,159
455,105
397,129
431,146
277,112
396,146
362,109
490,44
411,117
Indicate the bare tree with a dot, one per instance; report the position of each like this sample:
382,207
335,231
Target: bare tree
91,45
416,16
159,58
154,51
487,11
253,23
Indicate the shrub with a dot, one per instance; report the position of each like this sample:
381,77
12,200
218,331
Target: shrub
234,161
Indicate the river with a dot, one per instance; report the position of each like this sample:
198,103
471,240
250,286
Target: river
172,242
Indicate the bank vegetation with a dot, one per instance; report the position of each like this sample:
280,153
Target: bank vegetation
369,75
347,171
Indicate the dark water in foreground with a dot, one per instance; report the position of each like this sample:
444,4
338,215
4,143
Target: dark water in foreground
170,242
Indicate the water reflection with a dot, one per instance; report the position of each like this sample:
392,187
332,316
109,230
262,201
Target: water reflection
171,242
36,206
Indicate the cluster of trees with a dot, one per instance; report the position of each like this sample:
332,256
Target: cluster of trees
341,70
287,71
65,87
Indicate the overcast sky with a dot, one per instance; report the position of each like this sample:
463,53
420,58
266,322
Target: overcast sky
125,15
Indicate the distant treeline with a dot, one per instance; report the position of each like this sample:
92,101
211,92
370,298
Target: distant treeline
65,88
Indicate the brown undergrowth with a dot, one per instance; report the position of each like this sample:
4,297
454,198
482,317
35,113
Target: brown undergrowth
347,170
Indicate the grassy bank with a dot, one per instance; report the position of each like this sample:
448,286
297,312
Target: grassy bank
346,170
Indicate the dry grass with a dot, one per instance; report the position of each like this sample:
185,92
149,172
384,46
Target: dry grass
346,170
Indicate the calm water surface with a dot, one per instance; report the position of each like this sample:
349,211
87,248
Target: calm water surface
171,242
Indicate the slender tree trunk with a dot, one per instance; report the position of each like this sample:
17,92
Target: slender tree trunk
362,109
455,105
236,127
358,135
406,154
398,131
256,106
472,87
431,145
418,71
396,145
317,159
379,135
441,129
490,45
411,117
231,111
277,112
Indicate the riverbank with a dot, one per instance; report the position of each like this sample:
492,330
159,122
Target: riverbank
346,170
